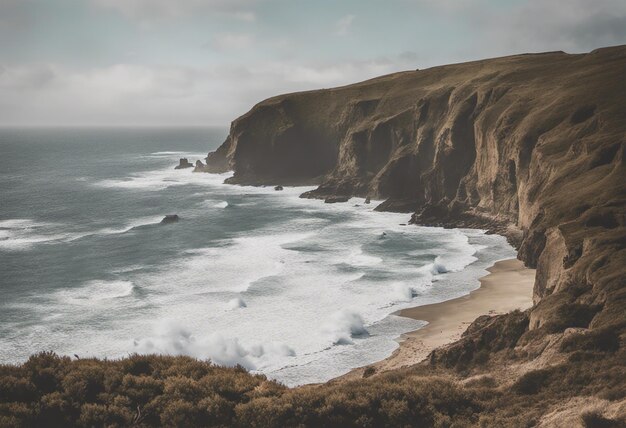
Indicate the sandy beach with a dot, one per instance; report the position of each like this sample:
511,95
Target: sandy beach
507,287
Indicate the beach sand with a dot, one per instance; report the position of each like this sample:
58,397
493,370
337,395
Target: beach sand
507,287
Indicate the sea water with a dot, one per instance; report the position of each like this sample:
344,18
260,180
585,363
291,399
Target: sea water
297,289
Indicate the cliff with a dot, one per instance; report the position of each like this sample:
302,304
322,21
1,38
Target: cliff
532,146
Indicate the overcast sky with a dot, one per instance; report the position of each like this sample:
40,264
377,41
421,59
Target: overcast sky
205,62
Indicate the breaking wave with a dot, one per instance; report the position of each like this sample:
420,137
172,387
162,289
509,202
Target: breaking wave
23,234
343,326
170,338
96,291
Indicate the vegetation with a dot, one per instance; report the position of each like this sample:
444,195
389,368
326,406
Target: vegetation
54,391
147,391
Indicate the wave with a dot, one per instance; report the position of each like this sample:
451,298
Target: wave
343,326
95,291
358,259
456,254
156,180
23,234
236,303
232,265
143,221
403,292
172,339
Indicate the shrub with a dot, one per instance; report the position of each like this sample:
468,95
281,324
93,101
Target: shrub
166,391
55,411
100,415
595,419
571,315
180,413
603,340
16,389
84,383
45,370
370,371
482,382
531,382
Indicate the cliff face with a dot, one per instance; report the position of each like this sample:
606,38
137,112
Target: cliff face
532,146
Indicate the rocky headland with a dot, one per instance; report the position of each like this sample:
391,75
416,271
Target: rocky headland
530,146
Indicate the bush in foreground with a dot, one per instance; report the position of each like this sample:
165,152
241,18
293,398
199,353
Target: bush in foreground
54,391
150,391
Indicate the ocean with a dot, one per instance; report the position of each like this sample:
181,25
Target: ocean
296,289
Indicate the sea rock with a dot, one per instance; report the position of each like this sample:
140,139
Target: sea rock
200,167
367,200
279,187
184,163
336,199
170,218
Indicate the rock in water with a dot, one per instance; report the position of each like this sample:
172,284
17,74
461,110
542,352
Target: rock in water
170,218
279,187
367,200
335,199
199,166
184,163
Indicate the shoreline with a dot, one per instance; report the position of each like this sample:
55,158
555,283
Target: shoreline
507,286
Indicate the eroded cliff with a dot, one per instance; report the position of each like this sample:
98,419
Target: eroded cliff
531,146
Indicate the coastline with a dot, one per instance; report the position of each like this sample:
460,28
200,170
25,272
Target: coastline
507,286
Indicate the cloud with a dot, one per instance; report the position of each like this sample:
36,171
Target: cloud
146,11
166,79
342,27
232,41
247,16
541,25
127,94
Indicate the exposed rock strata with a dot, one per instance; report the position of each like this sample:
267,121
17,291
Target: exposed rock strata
531,146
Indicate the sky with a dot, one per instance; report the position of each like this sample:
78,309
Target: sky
205,62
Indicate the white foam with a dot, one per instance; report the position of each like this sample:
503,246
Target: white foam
222,204
357,258
161,179
95,291
232,266
23,234
172,339
403,292
438,267
175,155
236,303
143,221
343,325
